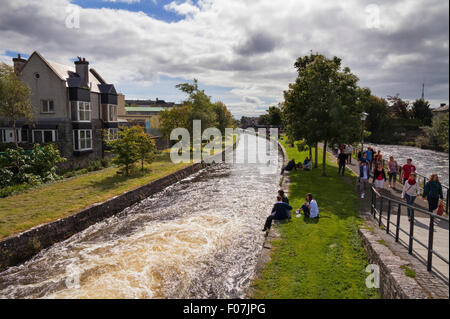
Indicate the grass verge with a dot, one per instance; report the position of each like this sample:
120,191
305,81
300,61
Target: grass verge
56,200
323,259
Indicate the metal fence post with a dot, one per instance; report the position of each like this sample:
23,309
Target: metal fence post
397,231
411,232
388,217
446,203
430,243
381,211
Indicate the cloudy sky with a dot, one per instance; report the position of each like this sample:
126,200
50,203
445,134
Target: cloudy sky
242,52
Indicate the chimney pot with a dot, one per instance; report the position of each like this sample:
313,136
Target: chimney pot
19,63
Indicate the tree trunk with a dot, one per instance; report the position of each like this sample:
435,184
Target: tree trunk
142,164
324,172
15,133
316,164
310,152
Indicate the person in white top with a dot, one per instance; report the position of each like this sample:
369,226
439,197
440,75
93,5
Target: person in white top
310,208
411,190
349,152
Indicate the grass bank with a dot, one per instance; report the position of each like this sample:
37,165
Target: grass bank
322,259
56,200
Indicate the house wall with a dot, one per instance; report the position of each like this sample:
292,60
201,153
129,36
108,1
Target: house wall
47,87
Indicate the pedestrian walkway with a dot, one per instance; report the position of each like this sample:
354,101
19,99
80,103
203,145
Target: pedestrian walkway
421,226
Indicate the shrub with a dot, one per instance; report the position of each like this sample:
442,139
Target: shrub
106,162
13,189
95,166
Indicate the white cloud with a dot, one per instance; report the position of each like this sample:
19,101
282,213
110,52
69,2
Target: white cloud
247,46
125,1
186,8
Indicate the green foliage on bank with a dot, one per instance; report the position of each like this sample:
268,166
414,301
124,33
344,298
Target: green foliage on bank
322,259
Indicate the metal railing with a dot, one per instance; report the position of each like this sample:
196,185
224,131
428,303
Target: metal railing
377,211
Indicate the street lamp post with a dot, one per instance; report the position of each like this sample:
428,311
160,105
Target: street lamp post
363,119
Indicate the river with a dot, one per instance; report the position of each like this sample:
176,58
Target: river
427,162
199,238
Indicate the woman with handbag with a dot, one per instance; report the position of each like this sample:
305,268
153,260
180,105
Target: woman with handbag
433,192
411,190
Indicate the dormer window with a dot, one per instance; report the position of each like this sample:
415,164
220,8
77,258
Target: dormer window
109,112
81,111
47,106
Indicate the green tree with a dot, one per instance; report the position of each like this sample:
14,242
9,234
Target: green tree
126,148
146,147
436,135
274,116
175,117
421,111
202,107
322,105
223,116
14,97
399,108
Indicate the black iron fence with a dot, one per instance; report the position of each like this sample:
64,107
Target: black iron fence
383,208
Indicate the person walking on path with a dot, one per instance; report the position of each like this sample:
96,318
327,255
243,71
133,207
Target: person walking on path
349,152
310,208
280,211
407,169
342,158
411,190
392,171
363,180
433,192
379,177
378,158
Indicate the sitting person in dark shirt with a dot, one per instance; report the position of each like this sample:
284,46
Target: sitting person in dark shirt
289,167
280,211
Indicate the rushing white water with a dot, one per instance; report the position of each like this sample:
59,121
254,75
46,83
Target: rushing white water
427,162
199,238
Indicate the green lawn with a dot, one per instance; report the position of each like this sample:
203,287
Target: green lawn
321,259
63,198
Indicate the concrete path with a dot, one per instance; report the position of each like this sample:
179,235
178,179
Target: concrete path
421,226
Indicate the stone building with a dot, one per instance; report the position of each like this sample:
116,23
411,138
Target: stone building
72,105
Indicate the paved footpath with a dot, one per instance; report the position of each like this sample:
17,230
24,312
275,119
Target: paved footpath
440,271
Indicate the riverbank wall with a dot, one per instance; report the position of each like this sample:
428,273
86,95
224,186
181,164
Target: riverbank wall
19,248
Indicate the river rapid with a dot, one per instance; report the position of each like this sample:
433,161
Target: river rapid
199,238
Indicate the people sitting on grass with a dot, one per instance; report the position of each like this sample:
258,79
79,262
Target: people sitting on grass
307,164
289,167
280,211
284,198
310,207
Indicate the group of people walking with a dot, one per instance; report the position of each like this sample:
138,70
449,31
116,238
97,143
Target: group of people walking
281,209
432,190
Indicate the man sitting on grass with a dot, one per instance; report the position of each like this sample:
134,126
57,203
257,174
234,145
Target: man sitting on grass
289,167
310,208
307,164
280,211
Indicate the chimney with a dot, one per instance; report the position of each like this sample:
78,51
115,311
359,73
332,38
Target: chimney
18,64
82,69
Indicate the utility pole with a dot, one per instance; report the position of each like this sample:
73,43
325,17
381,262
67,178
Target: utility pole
423,91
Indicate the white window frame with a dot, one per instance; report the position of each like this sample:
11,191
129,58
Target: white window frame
115,136
108,113
85,111
78,147
47,104
42,135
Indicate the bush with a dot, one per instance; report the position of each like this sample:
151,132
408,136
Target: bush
13,189
94,166
106,162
